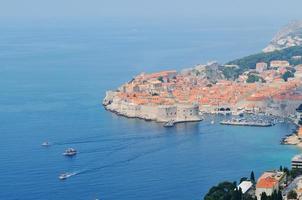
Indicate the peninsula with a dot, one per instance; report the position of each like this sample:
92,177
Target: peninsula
269,83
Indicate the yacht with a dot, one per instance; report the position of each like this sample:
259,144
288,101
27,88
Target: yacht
70,152
45,144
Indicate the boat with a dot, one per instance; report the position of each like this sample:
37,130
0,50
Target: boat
70,152
245,122
169,123
64,176
212,122
45,144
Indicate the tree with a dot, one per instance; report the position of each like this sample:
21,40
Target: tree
252,78
292,194
264,196
231,73
285,169
161,79
252,177
279,195
236,194
240,194
249,197
287,75
280,168
243,179
224,190
295,172
274,195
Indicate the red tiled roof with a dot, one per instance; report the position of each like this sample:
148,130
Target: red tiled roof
267,182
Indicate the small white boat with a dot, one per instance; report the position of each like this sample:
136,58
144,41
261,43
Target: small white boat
169,123
212,122
45,144
70,152
65,176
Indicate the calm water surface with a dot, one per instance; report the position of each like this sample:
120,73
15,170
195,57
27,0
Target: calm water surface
52,81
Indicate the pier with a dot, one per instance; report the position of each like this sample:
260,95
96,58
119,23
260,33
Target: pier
240,122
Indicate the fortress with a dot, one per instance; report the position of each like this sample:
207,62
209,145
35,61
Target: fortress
180,112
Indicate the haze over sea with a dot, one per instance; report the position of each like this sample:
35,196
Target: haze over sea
53,79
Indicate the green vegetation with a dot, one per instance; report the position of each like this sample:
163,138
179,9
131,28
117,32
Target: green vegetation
274,196
229,191
287,74
252,177
249,62
161,79
252,78
291,174
224,191
231,73
292,195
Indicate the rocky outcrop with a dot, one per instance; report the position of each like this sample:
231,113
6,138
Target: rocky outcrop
108,98
209,71
288,36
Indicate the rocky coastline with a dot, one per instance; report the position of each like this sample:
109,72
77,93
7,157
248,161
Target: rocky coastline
159,113
293,139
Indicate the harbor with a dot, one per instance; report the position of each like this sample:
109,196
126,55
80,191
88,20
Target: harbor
246,122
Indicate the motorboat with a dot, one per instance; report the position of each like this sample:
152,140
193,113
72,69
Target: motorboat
45,144
65,176
70,152
169,123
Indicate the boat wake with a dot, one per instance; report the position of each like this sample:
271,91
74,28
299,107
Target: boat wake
112,149
131,158
96,140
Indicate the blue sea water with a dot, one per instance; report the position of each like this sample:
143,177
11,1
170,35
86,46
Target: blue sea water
52,81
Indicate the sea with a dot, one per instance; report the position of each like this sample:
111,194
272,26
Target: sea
53,77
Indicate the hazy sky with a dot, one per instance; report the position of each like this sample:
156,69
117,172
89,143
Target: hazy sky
149,9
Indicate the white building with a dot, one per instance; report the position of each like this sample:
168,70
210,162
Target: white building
297,161
245,186
279,63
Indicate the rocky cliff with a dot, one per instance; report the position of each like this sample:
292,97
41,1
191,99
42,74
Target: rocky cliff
289,36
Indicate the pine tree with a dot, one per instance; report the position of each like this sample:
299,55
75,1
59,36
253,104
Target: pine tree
264,196
279,195
286,170
252,177
274,195
240,194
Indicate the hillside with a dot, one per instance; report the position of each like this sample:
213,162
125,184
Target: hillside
210,71
249,62
289,36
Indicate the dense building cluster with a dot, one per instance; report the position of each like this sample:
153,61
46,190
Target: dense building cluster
269,92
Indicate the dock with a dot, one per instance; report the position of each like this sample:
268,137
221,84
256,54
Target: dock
236,122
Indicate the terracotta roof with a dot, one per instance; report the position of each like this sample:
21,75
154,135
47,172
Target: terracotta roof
267,182
300,131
